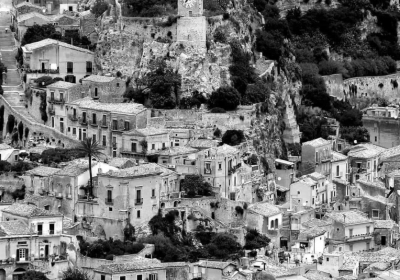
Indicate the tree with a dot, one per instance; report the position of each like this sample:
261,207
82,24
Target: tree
196,185
227,98
1,117
92,149
224,246
26,131
21,130
233,137
10,123
99,7
255,240
75,274
37,33
143,145
34,275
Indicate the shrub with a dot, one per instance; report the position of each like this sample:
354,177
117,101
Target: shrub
216,110
196,185
217,132
255,240
227,98
239,210
233,137
220,34
99,7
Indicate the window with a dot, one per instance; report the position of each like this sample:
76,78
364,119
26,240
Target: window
51,228
133,147
316,157
21,254
102,277
219,165
89,67
367,245
138,196
276,223
139,277
109,195
94,119
327,259
61,96
272,224
313,201
70,67
298,192
153,276
110,209
351,232
376,139
47,207
351,248
122,278
115,125
114,142
375,213
117,85
104,122
127,125
114,153
232,196
369,165
52,95
190,13
337,171
163,145
138,214
40,229
153,192
94,137
104,140
96,93
153,146
367,229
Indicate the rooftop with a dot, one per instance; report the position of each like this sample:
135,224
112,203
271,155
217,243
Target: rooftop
48,42
316,223
376,184
365,151
137,264
310,233
214,264
149,169
348,217
30,15
10,228
99,79
4,146
119,108
388,224
265,209
338,156
394,151
350,260
316,275
42,171
317,142
317,176
75,167
148,131
27,4
29,211
179,150
62,85
223,150
203,143
121,162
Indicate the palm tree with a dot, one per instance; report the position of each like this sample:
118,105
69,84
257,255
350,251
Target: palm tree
91,148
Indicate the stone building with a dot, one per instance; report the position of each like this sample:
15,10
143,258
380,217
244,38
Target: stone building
318,152
264,216
56,59
105,88
192,25
105,122
339,166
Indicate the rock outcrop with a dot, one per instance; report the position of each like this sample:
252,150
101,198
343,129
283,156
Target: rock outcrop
287,5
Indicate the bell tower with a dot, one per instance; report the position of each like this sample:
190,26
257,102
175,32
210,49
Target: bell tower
192,25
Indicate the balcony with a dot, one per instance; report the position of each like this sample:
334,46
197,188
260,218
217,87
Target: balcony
72,117
104,124
42,71
114,145
358,237
51,231
82,121
93,123
234,169
326,158
57,101
207,171
51,111
139,201
109,201
40,232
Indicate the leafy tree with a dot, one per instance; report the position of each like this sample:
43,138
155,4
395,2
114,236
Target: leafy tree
233,137
21,130
5,166
217,110
37,33
148,8
34,275
255,240
1,117
227,98
352,133
164,225
224,246
99,7
10,123
217,132
75,274
92,149
196,185
143,145
19,193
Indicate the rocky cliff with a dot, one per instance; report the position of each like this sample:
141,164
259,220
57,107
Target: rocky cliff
286,5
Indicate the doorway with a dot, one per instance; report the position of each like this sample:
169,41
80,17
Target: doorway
284,242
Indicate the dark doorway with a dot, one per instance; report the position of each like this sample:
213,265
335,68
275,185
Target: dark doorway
43,66
383,240
284,242
46,251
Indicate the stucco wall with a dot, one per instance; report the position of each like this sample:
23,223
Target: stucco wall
334,85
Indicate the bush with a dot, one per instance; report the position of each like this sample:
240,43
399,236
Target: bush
34,275
196,185
217,110
233,137
255,240
99,7
220,34
227,98
239,210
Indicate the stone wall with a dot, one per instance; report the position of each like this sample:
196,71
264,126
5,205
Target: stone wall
383,131
334,85
286,5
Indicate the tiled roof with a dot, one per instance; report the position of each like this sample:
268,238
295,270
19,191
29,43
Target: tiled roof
56,18
28,210
376,184
33,198
42,171
338,156
99,79
310,233
305,181
61,84
222,150
348,217
47,42
265,209
10,228
120,162
149,169
316,223
27,4
38,149
274,268
120,108
378,266
214,264
384,224
180,150
350,260
4,146
75,167
30,15
316,275
138,264
384,255
394,151
365,151
316,176
317,142
378,198
148,131
203,143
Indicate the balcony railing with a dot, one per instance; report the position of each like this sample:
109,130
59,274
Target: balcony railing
358,237
104,124
109,201
51,231
57,101
72,117
93,123
83,121
139,201
43,71
40,232
207,171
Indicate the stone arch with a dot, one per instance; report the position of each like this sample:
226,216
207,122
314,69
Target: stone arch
18,273
175,203
162,205
3,274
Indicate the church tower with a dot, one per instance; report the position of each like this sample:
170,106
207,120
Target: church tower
192,25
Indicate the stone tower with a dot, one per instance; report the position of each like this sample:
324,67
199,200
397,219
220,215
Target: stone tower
192,25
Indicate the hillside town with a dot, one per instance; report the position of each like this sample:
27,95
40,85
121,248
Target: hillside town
198,140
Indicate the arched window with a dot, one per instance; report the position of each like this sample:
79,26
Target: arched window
272,224
69,188
163,205
276,223
175,203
